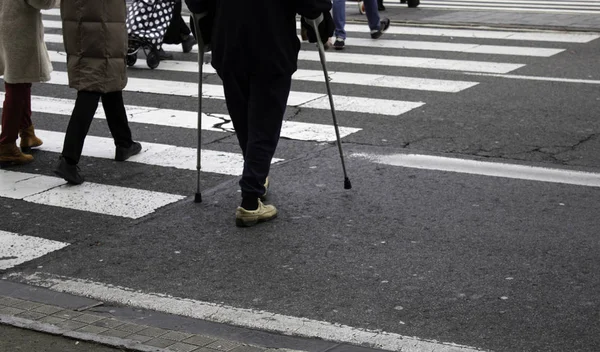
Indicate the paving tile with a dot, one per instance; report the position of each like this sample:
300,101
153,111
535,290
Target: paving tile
67,314
25,305
70,325
108,323
153,332
87,318
115,333
160,343
176,336
31,315
10,310
222,345
182,347
139,338
46,309
199,340
52,320
91,329
131,328
9,301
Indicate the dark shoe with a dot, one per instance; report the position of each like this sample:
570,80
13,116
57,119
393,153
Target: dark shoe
69,173
123,153
403,1
383,26
188,43
380,5
339,43
413,3
163,55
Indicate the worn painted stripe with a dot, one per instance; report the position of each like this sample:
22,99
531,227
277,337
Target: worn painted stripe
474,167
401,82
17,249
155,154
459,6
410,61
89,196
541,36
253,319
525,35
538,78
455,47
296,99
301,131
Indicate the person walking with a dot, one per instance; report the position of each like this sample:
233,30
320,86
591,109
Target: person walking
255,52
95,39
23,60
377,24
177,33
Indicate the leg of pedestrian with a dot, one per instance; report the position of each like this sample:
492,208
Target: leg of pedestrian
339,21
12,114
116,117
377,25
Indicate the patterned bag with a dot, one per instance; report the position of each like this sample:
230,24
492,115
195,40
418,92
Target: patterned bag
149,19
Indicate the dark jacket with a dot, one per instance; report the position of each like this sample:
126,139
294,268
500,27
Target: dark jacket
95,38
257,36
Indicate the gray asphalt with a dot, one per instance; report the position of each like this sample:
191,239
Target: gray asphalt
493,263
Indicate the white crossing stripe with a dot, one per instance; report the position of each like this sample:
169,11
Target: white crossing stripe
524,35
90,197
163,155
423,45
301,131
474,167
385,81
566,7
296,99
17,249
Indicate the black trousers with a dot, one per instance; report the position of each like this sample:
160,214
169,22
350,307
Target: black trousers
256,105
81,120
177,29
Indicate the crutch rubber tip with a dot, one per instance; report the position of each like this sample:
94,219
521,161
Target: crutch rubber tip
198,198
347,184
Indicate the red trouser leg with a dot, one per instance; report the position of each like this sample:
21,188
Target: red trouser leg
16,111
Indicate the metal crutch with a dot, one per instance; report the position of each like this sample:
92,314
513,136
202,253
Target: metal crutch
200,40
314,23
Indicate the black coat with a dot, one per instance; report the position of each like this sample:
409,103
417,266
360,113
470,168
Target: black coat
256,36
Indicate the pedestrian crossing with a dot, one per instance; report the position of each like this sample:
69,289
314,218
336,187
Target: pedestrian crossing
543,6
362,70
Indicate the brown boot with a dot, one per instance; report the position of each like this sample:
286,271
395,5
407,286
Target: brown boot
29,139
10,154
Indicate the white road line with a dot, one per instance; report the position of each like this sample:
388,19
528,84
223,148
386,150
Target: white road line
296,99
17,249
401,82
474,167
458,6
253,319
155,154
302,131
90,197
384,60
412,61
537,78
423,45
522,35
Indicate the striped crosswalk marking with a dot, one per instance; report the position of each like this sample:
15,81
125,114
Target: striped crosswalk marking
163,155
557,6
17,249
90,197
296,130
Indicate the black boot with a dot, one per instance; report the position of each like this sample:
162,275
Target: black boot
123,153
380,6
69,172
188,43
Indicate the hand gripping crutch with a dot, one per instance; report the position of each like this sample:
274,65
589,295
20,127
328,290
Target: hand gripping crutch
197,17
314,23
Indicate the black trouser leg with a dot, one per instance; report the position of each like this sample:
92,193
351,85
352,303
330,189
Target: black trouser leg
116,117
256,105
177,29
79,125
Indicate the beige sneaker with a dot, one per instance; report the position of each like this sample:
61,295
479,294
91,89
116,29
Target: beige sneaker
264,196
247,218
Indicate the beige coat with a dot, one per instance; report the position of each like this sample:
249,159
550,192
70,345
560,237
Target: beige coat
23,54
95,38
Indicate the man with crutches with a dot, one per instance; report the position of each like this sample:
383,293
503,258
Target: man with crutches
255,52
